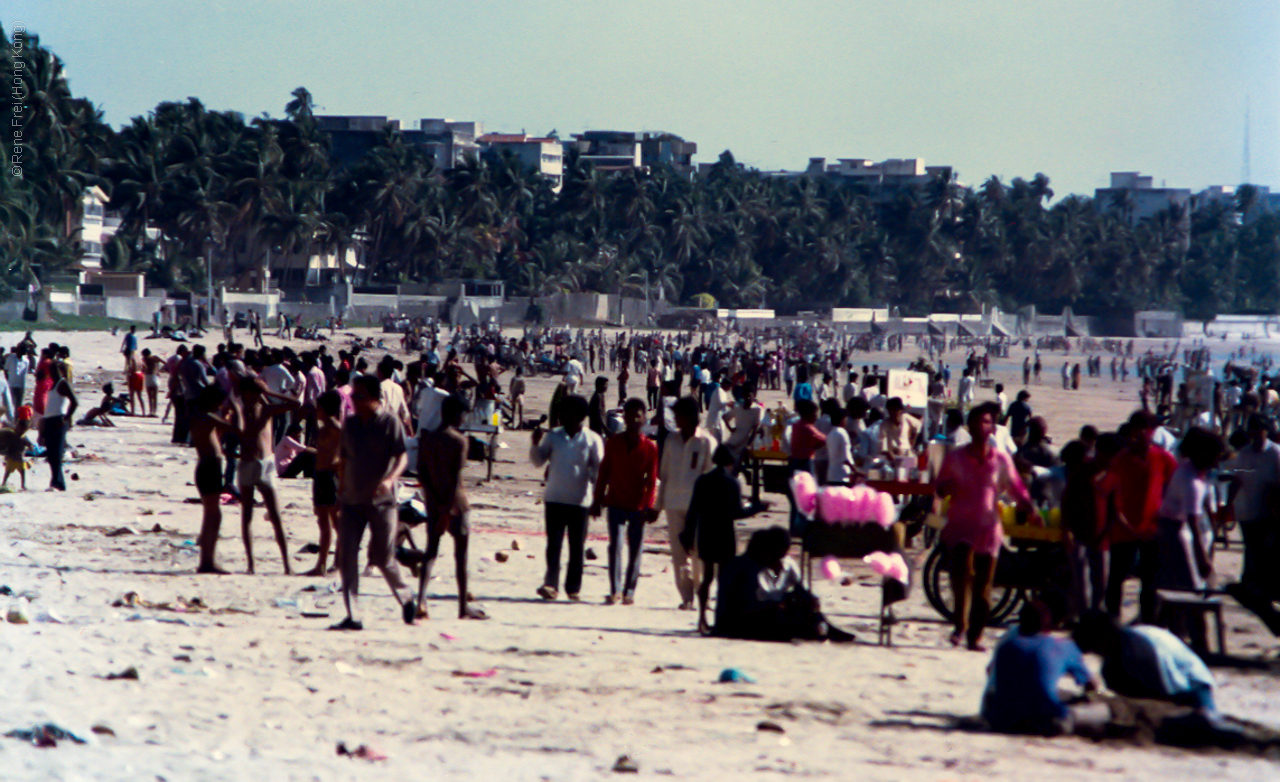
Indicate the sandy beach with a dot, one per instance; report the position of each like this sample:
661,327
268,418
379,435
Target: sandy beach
244,686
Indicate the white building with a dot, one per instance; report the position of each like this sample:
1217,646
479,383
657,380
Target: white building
92,227
1136,197
543,155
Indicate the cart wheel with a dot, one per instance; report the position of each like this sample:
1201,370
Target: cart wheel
1005,601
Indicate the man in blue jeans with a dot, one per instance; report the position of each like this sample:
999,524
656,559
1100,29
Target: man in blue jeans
627,486
573,455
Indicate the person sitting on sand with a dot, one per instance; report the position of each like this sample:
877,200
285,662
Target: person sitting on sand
1022,678
442,455
254,412
1144,661
762,597
709,527
100,415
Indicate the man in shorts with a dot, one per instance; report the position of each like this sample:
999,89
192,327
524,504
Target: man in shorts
324,486
441,456
206,428
373,459
254,411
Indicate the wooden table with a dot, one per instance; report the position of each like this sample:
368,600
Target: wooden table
755,463
484,429
911,488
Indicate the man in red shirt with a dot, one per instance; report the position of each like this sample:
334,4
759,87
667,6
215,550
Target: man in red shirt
806,441
626,485
1138,476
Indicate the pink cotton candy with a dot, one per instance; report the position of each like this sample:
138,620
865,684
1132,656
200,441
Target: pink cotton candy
804,488
858,502
888,565
886,514
830,568
832,504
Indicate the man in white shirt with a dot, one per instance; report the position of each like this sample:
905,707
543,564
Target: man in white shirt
686,455
839,450
16,368
428,405
744,421
574,454
393,400
718,407
850,389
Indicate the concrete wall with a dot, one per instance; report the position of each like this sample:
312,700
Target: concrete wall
267,305
139,308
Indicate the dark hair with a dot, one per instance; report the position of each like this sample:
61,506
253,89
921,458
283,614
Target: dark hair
722,457
766,546
1094,631
211,398
573,407
1201,447
369,385
634,403
330,402
1143,419
894,404
685,406
452,409
806,407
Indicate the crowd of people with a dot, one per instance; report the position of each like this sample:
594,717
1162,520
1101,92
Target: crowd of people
1144,500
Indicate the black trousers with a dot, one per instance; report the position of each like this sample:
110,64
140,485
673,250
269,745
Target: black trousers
181,420
562,520
1141,559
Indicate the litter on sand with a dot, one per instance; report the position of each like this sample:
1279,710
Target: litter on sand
46,735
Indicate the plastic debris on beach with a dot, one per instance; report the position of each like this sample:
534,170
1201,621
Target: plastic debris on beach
46,735
130,673
735,675
625,765
195,605
489,674
364,752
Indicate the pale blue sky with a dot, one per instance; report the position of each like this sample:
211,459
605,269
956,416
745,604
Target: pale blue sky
1075,88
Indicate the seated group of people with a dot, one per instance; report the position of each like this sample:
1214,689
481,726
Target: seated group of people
1138,661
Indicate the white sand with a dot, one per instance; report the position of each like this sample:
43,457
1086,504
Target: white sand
268,694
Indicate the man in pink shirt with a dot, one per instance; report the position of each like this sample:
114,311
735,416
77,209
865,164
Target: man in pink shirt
975,476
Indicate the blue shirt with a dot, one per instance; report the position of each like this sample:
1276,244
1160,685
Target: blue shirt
803,391
1155,663
1023,683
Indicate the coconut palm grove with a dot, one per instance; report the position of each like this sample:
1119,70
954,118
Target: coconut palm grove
237,189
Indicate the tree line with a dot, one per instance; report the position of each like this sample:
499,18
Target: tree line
241,191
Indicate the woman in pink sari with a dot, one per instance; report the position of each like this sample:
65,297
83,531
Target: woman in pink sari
44,381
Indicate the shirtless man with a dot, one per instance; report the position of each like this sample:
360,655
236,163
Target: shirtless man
441,456
253,416
324,487
206,426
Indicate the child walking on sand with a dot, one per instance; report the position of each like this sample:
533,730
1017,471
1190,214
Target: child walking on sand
13,446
